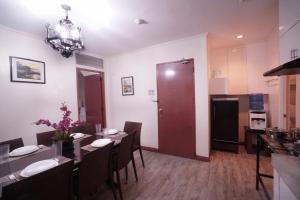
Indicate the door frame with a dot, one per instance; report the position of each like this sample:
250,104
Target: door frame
194,105
102,75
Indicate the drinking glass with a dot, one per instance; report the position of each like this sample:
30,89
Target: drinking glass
57,147
98,128
4,152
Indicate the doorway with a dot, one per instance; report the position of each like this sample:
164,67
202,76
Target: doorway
91,97
291,102
176,108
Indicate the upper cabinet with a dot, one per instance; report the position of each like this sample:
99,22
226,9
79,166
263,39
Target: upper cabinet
237,72
289,41
229,72
289,12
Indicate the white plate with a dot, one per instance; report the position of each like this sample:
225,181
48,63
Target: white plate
38,167
77,135
111,131
24,150
100,142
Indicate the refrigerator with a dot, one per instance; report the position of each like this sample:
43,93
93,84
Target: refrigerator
225,124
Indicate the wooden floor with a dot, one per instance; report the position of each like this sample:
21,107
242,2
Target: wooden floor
227,176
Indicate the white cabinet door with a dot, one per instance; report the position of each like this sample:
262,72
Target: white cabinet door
290,40
289,14
237,72
276,185
284,192
280,190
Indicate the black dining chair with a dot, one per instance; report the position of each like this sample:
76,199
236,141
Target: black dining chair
86,128
14,143
55,183
122,156
45,138
95,170
136,127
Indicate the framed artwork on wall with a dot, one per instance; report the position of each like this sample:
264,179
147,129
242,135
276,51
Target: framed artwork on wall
127,86
27,70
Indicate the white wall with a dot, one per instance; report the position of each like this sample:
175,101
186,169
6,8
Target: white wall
142,65
273,85
23,103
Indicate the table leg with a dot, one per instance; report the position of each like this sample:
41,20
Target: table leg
257,160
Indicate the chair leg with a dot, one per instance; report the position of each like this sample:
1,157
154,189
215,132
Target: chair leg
134,169
113,188
141,154
126,173
119,185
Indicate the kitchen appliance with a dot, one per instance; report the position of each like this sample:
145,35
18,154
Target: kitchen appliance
257,115
257,120
225,124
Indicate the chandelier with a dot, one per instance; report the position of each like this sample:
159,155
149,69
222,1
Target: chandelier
64,36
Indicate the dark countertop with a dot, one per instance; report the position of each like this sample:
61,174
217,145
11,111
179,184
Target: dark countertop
288,168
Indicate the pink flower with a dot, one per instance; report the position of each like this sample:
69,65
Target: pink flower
63,107
43,121
63,125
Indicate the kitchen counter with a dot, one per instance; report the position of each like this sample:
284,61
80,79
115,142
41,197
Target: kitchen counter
288,170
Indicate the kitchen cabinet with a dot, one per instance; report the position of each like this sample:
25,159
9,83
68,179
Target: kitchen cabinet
286,177
230,65
289,14
281,191
290,40
237,72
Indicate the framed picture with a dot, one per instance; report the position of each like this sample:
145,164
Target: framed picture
127,85
26,70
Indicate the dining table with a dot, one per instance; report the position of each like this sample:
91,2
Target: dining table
11,168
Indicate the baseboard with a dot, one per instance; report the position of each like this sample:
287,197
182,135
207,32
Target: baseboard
202,158
150,149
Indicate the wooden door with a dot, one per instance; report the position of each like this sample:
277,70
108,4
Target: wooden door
94,99
291,102
176,108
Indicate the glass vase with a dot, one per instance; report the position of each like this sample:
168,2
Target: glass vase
58,148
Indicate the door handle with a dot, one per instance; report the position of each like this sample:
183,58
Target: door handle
160,110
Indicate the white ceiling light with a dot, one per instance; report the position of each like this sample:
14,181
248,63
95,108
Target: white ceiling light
239,36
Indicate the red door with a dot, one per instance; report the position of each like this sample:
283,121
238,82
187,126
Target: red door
94,99
176,108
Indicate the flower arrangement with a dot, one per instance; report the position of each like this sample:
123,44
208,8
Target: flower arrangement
63,127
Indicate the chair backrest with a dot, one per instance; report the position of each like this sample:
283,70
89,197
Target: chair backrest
125,151
86,129
55,183
14,144
45,138
136,127
94,170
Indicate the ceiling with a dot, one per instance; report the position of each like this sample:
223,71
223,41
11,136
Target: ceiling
108,27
